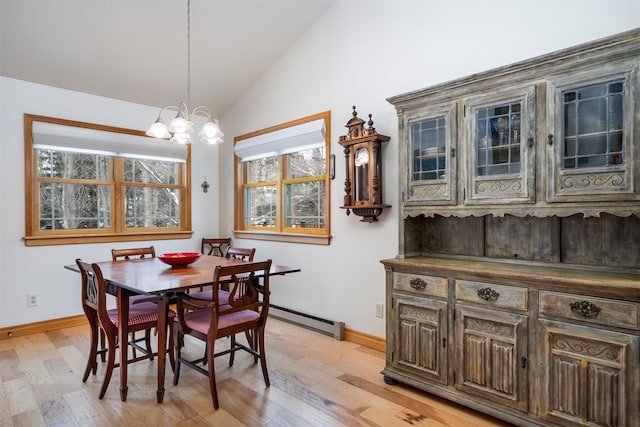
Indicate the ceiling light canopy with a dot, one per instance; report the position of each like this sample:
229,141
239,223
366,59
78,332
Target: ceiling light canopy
180,128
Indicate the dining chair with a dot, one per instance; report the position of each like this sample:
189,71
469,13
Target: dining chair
215,246
244,254
127,254
146,252
142,317
245,310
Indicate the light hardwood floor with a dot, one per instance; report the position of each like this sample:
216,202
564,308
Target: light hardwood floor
315,381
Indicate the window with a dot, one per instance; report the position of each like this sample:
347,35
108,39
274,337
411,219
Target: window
282,182
89,183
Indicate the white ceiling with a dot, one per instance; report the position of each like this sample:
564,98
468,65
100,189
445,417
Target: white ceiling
136,50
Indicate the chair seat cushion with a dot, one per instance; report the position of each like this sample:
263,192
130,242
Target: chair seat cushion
200,320
223,296
142,312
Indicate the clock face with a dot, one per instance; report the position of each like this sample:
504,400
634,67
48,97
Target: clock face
362,157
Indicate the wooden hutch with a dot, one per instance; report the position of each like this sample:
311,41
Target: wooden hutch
516,290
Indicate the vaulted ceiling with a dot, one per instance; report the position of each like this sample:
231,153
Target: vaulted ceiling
136,50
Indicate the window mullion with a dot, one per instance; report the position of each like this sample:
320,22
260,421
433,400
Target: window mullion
280,193
117,194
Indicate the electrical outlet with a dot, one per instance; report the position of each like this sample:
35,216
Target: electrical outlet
379,310
32,300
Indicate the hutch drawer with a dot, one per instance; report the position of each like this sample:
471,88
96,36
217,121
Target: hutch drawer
511,297
421,284
603,311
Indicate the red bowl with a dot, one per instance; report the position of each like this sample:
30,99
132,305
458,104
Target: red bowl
179,259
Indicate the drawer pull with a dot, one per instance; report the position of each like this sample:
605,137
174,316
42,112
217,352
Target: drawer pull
417,283
488,294
523,362
585,308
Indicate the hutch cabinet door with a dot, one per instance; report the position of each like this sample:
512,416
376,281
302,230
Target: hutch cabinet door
491,355
593,136
420,331
589,376
499,145
429,151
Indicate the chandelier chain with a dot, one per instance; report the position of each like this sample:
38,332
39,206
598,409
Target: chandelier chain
188,53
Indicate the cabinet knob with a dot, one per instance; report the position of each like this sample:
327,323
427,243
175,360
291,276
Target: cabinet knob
550,139
488,294
585,308
417,283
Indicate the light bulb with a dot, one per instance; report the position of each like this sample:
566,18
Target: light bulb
158,130
180,125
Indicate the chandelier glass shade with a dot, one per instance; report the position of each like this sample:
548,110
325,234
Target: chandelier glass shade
181,126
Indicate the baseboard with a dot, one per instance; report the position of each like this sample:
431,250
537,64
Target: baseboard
365,340
44,326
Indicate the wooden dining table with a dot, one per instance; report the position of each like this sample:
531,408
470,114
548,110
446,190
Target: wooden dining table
150,276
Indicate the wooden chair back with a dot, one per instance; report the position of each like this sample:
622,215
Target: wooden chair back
94,294
215,246
244,254
148,252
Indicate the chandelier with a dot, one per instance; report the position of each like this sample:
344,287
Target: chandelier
180,128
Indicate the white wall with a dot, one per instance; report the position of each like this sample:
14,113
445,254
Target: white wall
40,269
359,52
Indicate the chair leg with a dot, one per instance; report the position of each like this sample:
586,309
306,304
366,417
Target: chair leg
263,359
133,338
212,376
253,336
233,353
147,341
178,340
103,355
92,361
172,358
111,361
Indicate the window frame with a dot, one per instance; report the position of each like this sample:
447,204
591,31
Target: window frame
34,236
318,236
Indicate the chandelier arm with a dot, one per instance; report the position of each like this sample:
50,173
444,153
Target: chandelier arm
202,108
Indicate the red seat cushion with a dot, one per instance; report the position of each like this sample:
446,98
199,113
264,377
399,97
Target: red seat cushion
200,320
142,312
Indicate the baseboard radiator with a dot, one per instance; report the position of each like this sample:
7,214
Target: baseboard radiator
332,328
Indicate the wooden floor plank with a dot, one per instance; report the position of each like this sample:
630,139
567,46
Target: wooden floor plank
315,381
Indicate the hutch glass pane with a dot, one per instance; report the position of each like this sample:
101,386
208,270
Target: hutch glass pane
429,146
498,139
592,125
